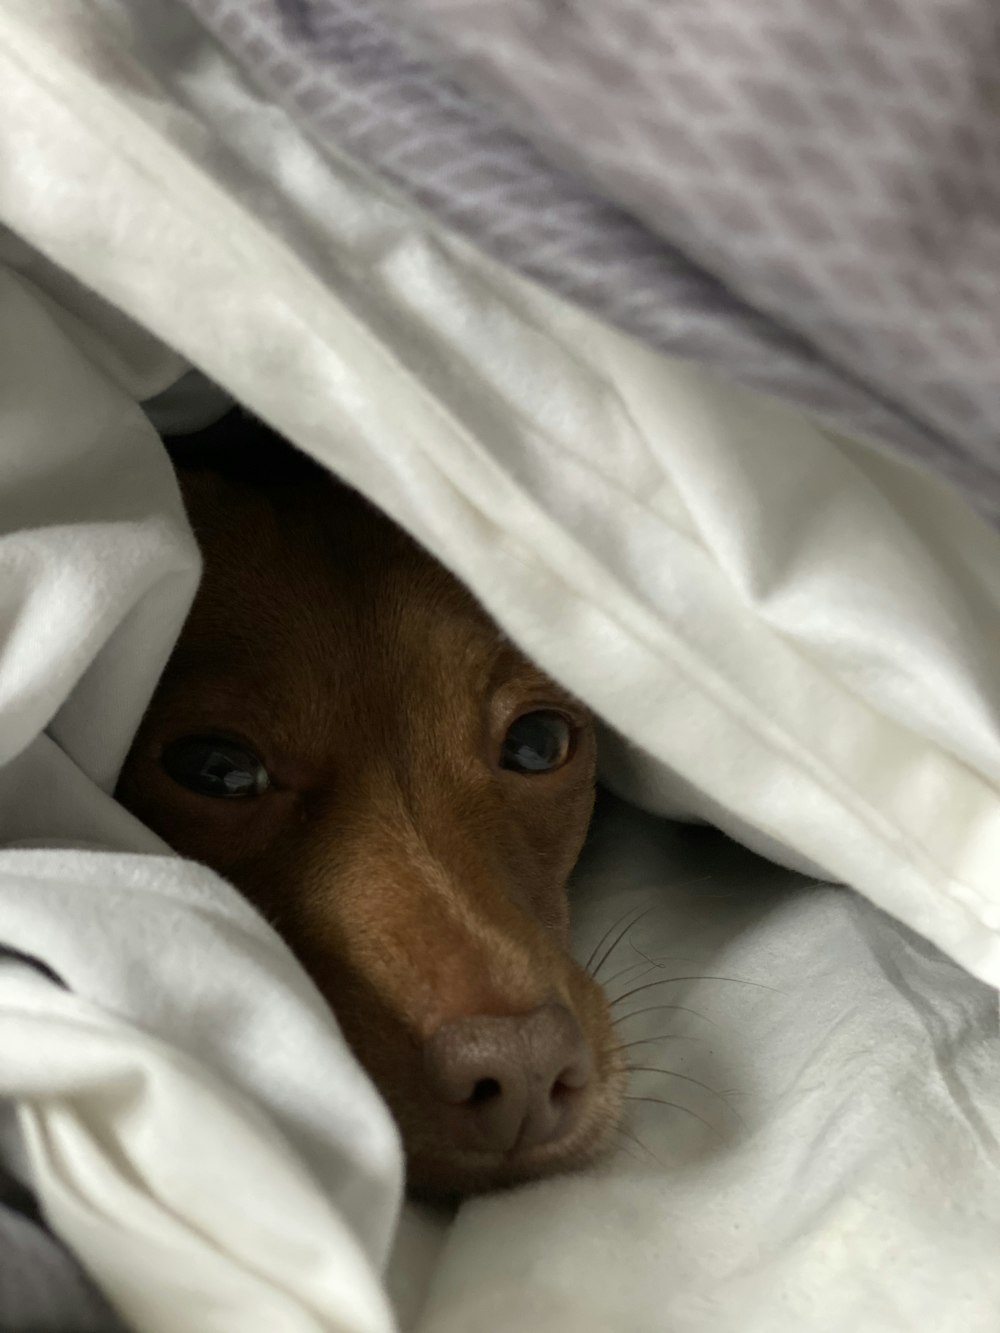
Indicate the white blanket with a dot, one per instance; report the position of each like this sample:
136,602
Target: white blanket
819,1149
135,1091
789,634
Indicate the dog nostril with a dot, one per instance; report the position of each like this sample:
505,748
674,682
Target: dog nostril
510,1082
484,1090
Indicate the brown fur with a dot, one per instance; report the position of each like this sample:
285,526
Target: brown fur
418,881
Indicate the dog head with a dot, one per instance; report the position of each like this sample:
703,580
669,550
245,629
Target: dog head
345,735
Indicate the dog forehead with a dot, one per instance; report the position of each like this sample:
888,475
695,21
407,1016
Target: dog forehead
323,602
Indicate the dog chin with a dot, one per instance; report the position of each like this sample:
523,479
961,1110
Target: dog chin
448,1174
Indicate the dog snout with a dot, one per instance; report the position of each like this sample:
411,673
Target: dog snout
512,1081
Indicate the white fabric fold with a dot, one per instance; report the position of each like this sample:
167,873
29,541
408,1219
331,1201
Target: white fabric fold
181,1198
815,1144
787,634
804,632
193,1122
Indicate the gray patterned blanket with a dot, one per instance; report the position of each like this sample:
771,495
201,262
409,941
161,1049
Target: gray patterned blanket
803,196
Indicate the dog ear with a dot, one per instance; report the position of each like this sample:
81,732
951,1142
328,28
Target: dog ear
200,483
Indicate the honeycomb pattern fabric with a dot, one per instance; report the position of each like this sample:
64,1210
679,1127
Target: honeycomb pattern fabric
770,190
835,162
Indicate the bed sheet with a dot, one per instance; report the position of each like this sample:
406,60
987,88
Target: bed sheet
811,1142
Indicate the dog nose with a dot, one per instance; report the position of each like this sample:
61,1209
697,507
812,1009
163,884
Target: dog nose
511,1080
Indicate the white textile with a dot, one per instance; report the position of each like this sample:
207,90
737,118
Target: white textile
805,633
789,634
193,1122
820,1147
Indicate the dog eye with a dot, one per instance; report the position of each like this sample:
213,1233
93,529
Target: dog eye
537,743
213,766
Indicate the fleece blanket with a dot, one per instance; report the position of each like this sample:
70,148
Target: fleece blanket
789,634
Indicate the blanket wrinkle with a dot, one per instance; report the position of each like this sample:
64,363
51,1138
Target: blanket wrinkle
946,1043
258,1174
153,987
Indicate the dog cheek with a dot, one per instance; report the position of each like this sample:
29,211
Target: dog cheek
551,828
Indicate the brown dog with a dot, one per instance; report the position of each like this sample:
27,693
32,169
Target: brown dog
345,735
